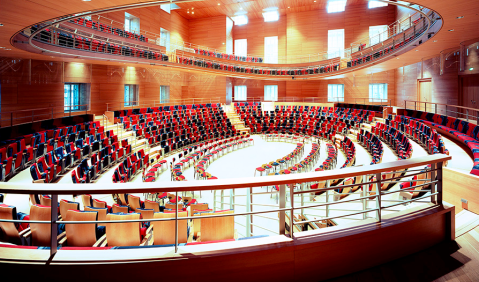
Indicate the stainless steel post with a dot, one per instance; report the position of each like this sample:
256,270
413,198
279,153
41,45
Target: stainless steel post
176,222
282,205
53,226
378,196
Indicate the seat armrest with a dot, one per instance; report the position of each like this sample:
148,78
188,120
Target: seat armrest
62,238
101,242
25,231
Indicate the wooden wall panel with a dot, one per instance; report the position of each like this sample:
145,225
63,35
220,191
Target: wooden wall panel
209,32
445,87
152,19
255,88
307,32
255,32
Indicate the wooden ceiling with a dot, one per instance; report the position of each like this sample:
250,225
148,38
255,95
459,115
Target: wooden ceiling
253,9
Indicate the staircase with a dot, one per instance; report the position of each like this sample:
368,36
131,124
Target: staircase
235,119
118,130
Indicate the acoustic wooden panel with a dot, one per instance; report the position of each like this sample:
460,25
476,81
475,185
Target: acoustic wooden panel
209,32
445,87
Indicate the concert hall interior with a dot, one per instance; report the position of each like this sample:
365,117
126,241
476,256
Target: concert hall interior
240,140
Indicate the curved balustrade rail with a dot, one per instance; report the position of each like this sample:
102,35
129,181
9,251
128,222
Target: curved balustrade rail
391,30
415,24
467,113
292,189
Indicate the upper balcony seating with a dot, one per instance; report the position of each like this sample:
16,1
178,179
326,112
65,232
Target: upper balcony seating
108,29
258,70
228,56
64,39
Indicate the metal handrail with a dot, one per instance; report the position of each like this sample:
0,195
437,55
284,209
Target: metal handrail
467,113
435,161
33,117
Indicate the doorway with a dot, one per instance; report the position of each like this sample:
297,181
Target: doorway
424,94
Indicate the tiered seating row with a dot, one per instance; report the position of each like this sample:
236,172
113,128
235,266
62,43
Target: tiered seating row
178,128
419,131
372,143
349,150
395,138
460,130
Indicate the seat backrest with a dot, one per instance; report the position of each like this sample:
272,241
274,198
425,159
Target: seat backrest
9,230
102,212
45,201
164,231
220,228
123,234
67,205
41,232
152,205
86,200
134,202
81,235
117,208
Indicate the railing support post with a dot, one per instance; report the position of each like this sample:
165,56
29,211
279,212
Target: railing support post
327,197
176,222
439,183
433,186
291,219
364,194
282,205
378,196
53,226
248,209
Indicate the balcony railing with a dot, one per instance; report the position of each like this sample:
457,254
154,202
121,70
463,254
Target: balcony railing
467,113
11,118
293,194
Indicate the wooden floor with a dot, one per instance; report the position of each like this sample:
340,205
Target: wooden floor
453,261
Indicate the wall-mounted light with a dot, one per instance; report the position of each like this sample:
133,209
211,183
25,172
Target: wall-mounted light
471,69
460,17
451,30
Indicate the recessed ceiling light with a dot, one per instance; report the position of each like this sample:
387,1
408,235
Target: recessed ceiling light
451,30
86,0
314,1
192,12
460,17
241,8
223,43
397,58
435,41
8,49
471,68
417,50
288,7
218,4
193,8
